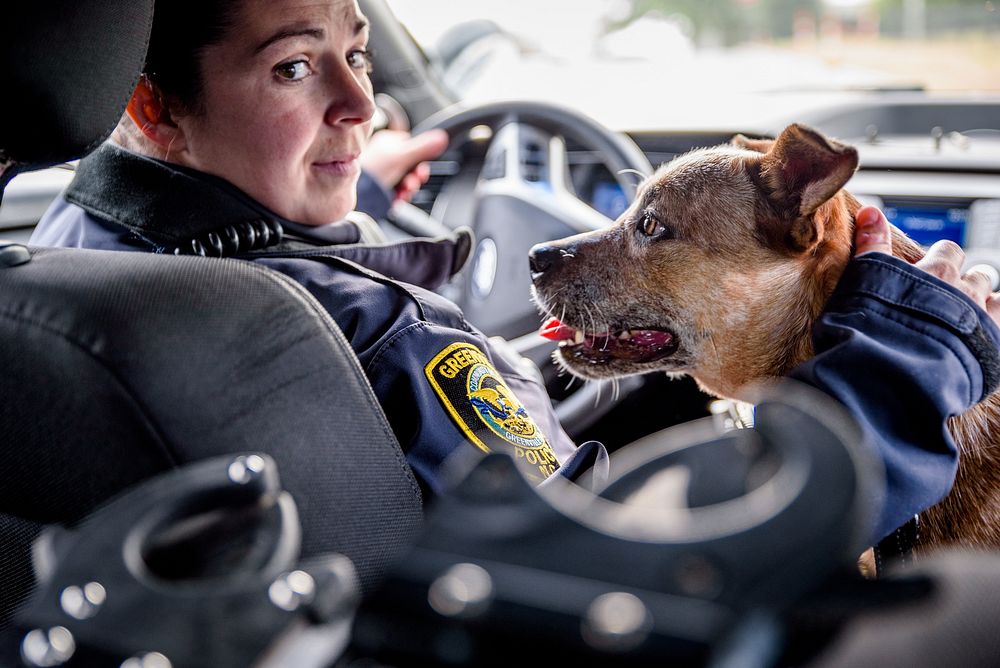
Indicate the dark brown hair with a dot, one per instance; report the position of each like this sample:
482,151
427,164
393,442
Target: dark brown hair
182,30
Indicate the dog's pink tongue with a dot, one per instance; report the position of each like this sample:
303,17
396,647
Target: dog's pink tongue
556,331
651,337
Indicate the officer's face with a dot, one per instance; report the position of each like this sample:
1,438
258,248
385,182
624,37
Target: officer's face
287,106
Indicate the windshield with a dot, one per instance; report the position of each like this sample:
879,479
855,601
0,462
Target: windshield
622,60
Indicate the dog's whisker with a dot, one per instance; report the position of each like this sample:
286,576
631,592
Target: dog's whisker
718,359
600,318
600,314
590,316
629,170
604,343
555,293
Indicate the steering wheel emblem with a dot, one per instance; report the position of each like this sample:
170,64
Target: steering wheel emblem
484,268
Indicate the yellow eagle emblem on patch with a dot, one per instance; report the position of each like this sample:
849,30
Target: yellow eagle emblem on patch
485,409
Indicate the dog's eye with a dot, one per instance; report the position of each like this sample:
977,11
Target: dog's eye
649,226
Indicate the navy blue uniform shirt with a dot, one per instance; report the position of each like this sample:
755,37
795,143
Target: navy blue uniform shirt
900,349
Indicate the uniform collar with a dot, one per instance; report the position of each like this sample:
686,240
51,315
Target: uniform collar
170,207
166,204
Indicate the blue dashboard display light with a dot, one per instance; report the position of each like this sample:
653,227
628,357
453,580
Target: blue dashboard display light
609,199
927,224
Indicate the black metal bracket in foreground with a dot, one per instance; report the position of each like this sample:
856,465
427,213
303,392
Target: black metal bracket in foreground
197,567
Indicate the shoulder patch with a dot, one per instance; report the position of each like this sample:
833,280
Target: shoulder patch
486,410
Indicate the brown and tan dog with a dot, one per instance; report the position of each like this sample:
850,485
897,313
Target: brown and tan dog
757,235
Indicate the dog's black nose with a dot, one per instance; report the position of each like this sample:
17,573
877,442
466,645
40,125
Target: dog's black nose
543,257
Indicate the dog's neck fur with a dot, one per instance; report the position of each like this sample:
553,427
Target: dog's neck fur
826,265
821,269
794,296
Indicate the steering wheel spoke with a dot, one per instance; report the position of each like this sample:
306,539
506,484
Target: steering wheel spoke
529,154
528,165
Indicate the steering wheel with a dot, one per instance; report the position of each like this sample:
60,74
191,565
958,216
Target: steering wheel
523,196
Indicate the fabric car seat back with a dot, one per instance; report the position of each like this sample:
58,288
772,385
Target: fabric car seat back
117,366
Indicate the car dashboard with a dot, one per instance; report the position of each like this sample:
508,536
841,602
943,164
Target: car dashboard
931,164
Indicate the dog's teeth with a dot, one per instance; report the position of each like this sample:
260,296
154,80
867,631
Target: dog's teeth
626,335
578,337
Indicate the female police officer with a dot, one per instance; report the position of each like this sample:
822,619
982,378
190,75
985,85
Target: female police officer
243,137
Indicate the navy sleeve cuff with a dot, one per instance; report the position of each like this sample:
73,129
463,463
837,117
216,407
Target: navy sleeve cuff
899,284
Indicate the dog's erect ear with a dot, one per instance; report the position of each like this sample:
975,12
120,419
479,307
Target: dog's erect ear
805,168
801,171
759,145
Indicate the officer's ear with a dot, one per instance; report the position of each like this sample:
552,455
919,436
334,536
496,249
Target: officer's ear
151,116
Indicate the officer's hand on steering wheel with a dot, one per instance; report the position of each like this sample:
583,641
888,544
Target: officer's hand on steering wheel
397,160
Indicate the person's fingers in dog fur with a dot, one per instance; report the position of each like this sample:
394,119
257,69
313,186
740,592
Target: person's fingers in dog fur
871,232
989,272
944,260
993,307
980,282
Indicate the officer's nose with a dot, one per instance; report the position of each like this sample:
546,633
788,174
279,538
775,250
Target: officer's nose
543,258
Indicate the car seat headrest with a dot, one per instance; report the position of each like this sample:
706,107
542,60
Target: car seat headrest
67,70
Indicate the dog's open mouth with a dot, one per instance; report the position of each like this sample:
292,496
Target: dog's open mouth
629,345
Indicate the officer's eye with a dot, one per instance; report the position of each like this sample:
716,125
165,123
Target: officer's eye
293,70
360,59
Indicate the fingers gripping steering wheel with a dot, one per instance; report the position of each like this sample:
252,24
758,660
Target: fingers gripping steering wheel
524,196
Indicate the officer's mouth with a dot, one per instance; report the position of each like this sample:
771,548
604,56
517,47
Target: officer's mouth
637,345
346,165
